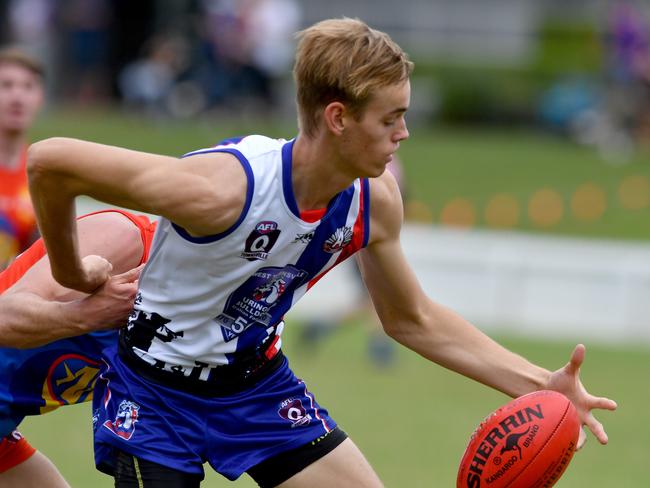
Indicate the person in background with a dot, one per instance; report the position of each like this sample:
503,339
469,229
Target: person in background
21,97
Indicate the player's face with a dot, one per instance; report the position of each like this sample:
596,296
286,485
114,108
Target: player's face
21,96
371,142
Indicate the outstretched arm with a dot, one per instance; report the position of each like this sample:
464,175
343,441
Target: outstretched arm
204,194
36,310
443,336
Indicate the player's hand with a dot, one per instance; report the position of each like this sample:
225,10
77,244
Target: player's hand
566,380
110,305
96,271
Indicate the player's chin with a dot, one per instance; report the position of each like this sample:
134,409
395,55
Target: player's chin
376,172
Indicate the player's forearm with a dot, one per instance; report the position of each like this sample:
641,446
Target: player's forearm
53,199
449,340
27,320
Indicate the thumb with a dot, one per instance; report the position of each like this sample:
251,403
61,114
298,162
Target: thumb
130,275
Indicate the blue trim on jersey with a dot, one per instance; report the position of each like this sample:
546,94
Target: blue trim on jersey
287,185
230,140
314,257
249,197
366,211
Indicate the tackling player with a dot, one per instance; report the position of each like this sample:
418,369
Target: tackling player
51,337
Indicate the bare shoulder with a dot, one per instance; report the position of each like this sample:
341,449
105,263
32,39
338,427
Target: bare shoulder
108,233
113,235
386,209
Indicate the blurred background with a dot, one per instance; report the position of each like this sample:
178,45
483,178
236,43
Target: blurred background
526,184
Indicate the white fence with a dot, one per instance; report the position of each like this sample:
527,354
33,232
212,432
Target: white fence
589,290
532,285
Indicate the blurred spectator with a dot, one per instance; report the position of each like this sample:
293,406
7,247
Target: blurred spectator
31,25
21,97
269,26
247,45
87,24
629,67
148,82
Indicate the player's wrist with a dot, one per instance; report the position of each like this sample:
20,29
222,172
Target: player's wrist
78,315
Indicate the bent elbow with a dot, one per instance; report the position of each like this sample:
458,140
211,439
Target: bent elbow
40,156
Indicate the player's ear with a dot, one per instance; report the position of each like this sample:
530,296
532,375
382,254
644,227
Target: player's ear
334,115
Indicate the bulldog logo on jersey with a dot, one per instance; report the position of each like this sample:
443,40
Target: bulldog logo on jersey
338,240
261,240
125,419
255,301
292,410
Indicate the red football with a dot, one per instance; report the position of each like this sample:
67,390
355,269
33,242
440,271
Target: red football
527,443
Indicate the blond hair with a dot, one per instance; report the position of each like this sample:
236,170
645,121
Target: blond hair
16,56
343,60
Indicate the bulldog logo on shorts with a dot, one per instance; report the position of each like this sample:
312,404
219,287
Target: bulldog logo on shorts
292,410
124,424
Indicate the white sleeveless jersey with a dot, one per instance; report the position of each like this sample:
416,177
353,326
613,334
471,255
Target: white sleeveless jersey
208,301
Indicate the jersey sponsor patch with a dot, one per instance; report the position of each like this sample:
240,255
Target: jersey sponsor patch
261,240
144,327
303,238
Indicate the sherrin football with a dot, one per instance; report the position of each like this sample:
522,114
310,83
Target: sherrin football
527,443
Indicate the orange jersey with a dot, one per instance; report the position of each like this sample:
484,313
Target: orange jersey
16,204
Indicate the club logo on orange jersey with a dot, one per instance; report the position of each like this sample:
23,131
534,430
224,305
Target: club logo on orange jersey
70,379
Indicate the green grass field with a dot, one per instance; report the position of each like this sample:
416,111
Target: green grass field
441,164
413,421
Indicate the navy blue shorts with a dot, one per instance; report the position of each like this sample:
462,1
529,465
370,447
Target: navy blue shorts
182,431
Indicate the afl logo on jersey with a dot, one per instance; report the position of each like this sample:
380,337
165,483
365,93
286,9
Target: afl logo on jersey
338,240
261,240
292,410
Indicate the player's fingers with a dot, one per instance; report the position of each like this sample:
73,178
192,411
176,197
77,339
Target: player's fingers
577,357
603,403
129,276
582,439
597,429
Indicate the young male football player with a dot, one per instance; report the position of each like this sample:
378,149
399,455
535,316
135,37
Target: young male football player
249,226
